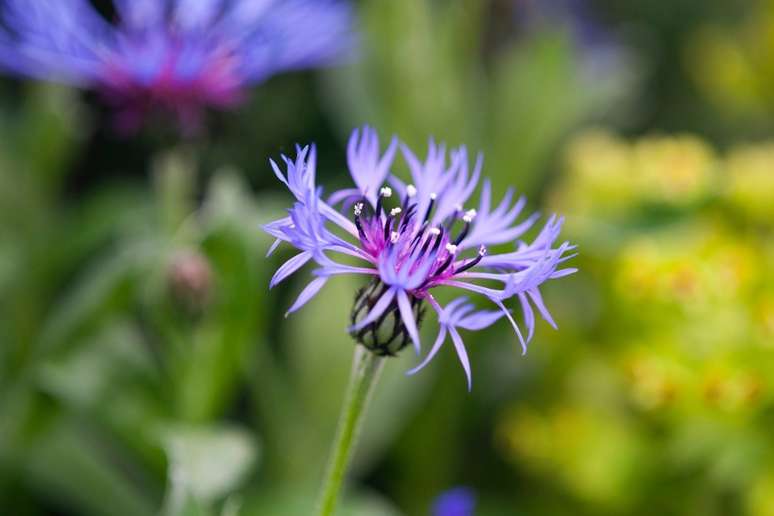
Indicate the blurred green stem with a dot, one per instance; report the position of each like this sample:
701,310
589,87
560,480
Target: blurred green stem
366,367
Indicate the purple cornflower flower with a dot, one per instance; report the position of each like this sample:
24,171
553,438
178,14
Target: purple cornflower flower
459,501
598,50
412,238
182,55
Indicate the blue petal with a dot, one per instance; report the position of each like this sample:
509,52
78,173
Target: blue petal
308,293
289,267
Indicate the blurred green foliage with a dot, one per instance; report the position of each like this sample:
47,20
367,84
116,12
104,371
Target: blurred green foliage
145,367
732,64
443,69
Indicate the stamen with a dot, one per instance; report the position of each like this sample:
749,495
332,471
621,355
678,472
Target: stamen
472,263
387,227
394,236
452,250
429,239
430,206
395,211
434,231
469,216
419,234
445,265
358,209
462,234
411,192
412,210
384,192
438,241
360,230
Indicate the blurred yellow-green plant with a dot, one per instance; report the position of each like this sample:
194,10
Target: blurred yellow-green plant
674,378
143,369
732,63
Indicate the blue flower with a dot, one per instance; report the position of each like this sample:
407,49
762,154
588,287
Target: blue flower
459,501
415,242
182,55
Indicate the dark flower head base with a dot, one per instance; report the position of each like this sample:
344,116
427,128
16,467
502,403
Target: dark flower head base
413,238
178,55
387,335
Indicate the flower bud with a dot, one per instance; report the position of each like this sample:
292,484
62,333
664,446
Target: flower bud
190,280
387,335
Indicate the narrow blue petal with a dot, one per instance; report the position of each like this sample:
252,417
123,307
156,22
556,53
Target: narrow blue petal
407,315
376,312
529,315
273,247
141,14
480,320
308,293
462,353
289,267
537,298
278,173
433,351
193,15
514,325
563,272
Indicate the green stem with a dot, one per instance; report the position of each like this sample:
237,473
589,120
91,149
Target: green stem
366,367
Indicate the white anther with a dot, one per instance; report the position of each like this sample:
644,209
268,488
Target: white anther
395,211
394,236
386,191
411,191
434,231
459,208
433,196
358,209
451,248
482,251
469,216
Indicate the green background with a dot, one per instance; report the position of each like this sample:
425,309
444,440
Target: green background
146,367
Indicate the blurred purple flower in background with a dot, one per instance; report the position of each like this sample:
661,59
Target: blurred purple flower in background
180,55
575,15
598,49
459,501
409,245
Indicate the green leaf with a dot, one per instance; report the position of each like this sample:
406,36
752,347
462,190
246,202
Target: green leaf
208,463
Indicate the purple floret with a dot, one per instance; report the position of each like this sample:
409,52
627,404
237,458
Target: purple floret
414,237
181,55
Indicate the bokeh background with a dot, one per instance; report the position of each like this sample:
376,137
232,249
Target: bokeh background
145,366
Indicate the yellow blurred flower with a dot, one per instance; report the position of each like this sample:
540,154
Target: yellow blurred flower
597,181
750,181
734,66
760,496
731,390
656,381
595,454
609,177
675,170
688,266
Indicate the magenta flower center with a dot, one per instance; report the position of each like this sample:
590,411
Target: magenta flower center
417,242
173,76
